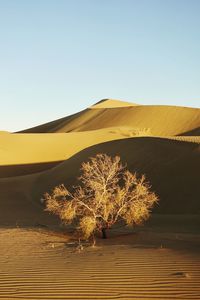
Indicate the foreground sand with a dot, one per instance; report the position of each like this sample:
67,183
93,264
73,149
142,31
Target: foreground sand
149,264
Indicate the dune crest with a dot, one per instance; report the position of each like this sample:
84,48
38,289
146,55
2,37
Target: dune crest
159,120
111,103
160,141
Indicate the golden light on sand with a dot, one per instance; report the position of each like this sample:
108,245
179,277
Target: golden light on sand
160,261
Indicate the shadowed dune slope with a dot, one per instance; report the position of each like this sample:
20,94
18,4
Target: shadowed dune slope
172,167
53,126
160,120
16,205
26,169
193,132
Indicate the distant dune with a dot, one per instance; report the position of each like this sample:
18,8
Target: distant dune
160,120
112,103
161,141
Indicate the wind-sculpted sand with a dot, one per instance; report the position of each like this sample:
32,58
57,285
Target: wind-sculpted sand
156,140
167,163
39,264
24,149
160,120
156,262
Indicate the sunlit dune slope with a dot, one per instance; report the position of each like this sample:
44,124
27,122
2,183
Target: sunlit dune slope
34,148
159,120
3,132
112,103
27,153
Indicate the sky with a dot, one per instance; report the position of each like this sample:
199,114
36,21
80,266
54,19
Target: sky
58,57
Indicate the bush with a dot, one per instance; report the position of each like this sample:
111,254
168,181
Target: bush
107,193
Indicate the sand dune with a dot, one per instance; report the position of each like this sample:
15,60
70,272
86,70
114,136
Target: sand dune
22,154
167,163
111,103
160,120
37,162
158,261
38,148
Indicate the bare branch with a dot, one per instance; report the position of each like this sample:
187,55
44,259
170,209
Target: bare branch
108,192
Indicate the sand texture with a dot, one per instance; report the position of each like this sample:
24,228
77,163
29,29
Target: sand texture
160,120
40,260
38,264
162,142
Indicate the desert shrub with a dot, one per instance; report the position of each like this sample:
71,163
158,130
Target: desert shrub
107,193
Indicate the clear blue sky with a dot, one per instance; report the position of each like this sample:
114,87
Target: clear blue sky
60,56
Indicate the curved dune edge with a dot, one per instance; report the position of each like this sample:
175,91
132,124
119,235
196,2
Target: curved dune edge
31,153
158,158
21,149
159,120
168,165
112,103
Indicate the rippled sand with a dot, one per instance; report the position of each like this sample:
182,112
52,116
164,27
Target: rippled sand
40,264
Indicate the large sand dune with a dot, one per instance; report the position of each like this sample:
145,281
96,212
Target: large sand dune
151,139
159,261
160,120
167,163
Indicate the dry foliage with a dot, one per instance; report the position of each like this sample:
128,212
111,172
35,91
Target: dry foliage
107,193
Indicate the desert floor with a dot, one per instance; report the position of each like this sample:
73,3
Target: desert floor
158,261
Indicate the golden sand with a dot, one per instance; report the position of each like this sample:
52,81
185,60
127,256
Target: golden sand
36,264
161,141
144,136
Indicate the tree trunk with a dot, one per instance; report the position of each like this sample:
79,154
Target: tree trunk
93,240
104,235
